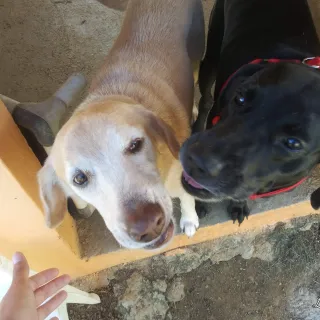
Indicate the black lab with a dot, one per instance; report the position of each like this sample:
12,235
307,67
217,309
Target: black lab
266,138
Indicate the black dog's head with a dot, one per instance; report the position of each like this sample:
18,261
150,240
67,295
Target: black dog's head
268,136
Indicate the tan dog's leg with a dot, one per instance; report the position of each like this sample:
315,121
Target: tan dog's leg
189,222
196,68
196,48
195,112
195,109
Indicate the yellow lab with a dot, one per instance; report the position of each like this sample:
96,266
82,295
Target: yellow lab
119,150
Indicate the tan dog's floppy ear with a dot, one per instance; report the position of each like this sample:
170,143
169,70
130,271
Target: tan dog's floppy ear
52,195
315,199
165,132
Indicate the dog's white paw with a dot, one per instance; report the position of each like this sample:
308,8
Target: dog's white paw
189,226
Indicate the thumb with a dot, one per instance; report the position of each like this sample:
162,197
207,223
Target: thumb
20,268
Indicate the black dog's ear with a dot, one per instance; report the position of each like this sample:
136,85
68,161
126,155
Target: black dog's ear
315,199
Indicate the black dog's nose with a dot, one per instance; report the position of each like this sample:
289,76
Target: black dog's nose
215,166
203,164
196,162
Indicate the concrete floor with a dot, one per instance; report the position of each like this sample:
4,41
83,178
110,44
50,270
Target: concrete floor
269,275
41,44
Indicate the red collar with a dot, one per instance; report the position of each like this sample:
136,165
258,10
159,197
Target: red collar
276,192
313,62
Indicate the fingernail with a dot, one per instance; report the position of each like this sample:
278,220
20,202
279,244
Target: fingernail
17,257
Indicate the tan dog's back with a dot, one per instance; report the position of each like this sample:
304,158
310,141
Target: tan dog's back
153,54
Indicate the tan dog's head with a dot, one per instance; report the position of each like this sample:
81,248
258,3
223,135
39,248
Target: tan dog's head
107,156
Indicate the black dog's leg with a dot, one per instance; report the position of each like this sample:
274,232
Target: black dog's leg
209,64
238,210
202,209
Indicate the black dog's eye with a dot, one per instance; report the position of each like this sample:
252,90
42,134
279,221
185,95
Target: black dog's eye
293,144
80,178
135,146
239,99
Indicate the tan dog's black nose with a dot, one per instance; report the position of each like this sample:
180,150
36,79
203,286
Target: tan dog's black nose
144,221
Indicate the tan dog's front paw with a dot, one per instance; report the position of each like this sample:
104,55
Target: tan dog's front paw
189,225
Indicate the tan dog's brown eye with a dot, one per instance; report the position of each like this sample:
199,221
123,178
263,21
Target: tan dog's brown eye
80,178
135,146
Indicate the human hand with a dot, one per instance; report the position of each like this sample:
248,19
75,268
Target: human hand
26,294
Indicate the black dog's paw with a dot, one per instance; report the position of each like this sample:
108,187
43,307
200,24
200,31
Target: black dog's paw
315,199
202,209
238,211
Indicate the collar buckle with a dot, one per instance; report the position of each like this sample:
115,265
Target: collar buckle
313,62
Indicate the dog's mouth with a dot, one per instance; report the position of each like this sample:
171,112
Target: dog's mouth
195,188
165,237
193,183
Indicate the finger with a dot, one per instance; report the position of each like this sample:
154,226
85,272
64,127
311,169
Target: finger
43,277
51,305
51,288
20,269
54,318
